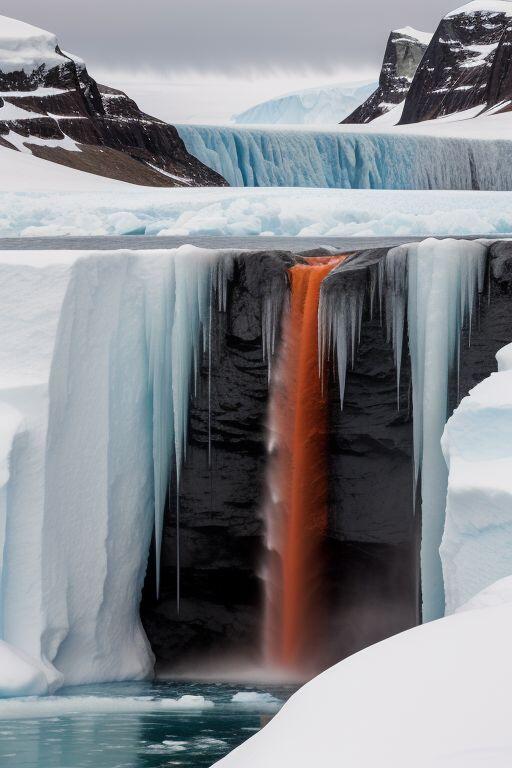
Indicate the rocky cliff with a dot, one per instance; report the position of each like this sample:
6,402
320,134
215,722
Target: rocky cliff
466,66
404,51
52,107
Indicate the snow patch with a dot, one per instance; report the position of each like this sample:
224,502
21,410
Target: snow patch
25,48
490,7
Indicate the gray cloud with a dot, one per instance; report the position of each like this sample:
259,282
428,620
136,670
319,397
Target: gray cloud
227,35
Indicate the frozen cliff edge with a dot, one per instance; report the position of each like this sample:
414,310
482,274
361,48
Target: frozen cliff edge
392,691
477,444
279,157
85,450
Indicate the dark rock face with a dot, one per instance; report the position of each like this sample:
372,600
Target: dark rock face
115,139
457,68
372,578
371,585
221,537
499,87
404,52
492,328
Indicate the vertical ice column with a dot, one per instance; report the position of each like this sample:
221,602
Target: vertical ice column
179,306
443,281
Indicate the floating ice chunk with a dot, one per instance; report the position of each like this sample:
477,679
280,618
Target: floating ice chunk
61,706
254,698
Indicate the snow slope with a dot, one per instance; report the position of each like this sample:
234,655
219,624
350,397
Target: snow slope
21,172
321,105
434,697
477,444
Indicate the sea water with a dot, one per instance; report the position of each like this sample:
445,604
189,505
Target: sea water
134,725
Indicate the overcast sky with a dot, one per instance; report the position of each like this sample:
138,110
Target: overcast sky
228,36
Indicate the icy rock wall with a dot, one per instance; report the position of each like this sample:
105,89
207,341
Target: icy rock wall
257,157
477,445
430,289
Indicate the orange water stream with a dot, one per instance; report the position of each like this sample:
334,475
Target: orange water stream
297,478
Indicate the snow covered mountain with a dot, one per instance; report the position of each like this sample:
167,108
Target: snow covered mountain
50,106
404,52
318,106
467,65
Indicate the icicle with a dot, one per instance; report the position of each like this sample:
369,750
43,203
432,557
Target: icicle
178,320
340,314
274,298
442,280
160,313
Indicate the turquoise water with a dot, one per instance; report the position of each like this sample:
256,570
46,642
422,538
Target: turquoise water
134,725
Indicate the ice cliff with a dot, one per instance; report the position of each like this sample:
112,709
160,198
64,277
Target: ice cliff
266,157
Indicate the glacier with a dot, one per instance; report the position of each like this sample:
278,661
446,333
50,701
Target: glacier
319,105
287,157
477,445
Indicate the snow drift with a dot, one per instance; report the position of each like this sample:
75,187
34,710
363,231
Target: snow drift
436,695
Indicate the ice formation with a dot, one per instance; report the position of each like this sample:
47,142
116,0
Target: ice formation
240,212
434,286
477,444
320,105
273,157
85,462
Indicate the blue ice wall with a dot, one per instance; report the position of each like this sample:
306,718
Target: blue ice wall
267,157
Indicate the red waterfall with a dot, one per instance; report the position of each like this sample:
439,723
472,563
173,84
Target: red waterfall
297,483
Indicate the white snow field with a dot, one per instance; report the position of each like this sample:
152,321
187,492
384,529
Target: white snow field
436,696
245,212
477,444
23,172
322,105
